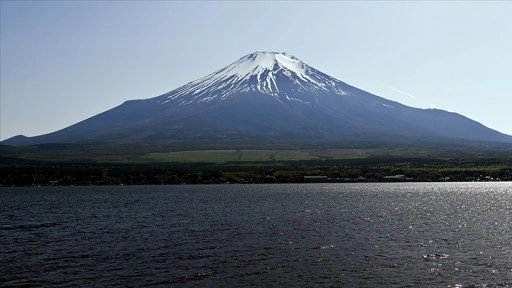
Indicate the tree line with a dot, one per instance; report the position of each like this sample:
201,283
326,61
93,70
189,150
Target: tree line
14,173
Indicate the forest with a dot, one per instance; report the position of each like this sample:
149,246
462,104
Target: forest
14,172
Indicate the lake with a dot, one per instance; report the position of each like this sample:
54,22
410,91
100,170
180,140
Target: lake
283,235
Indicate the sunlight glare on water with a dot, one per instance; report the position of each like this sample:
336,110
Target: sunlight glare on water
314,235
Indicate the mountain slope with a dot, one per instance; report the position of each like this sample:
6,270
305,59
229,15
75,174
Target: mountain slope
267,95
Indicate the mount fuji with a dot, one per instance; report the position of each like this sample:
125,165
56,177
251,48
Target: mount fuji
265,96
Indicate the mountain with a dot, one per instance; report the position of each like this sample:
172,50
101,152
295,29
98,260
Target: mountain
264,96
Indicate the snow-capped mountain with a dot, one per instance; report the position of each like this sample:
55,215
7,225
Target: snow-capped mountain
262,96
279,75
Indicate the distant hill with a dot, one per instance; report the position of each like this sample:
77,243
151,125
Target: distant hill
266,96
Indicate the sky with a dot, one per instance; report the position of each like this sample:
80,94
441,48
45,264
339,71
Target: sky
62,62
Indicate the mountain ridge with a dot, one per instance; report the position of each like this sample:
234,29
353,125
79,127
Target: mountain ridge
265,95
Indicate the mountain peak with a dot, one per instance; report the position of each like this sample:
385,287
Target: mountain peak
269,59
258,62
269,73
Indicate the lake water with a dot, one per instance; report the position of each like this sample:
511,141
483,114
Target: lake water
309,235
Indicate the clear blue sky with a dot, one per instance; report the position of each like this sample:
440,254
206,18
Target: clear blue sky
65,61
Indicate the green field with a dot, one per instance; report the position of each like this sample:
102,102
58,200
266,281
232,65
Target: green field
223,156
144,165
255,155
127,153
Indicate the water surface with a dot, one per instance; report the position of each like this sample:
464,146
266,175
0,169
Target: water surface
305,235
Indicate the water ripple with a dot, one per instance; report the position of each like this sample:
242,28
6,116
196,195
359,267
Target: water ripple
327,235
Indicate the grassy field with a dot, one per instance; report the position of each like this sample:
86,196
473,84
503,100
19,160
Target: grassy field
254,155
77,165
147,154
223,156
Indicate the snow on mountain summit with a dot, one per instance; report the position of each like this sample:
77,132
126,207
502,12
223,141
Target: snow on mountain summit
277,74
259,62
